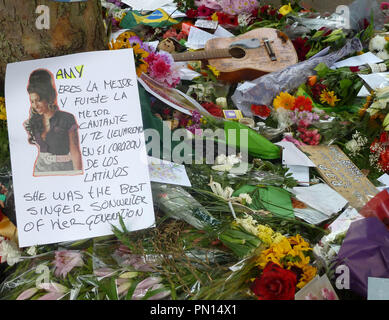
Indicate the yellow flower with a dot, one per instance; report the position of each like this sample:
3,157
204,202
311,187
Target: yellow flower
125,35
359,53
3,114
309,273
284,100
329,97
214,17
284,10
298,241
214,70
277,237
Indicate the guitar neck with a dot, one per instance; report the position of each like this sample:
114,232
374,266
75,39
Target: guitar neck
202,55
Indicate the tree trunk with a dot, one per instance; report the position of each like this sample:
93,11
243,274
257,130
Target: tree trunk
74,27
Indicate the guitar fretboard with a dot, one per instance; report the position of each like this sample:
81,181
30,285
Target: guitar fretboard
202,55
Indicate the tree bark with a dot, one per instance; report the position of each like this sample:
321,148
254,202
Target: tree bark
74,27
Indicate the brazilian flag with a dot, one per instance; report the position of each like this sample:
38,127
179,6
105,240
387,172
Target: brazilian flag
157,19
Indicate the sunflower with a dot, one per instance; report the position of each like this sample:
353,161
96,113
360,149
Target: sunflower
309,273
140,63
284,100
215,72
329,97
3,114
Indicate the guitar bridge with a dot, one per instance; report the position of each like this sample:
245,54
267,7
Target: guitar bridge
269,49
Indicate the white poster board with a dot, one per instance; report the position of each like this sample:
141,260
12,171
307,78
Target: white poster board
86,165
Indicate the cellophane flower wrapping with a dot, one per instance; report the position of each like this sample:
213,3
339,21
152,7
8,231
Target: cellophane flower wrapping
264,89
365,252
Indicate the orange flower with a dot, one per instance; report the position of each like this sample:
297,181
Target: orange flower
303,104
312,80
284,100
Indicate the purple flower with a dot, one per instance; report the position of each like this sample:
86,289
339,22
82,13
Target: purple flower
65,261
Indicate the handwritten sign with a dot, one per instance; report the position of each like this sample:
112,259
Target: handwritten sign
341,174
77,147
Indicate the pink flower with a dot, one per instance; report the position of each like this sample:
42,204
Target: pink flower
204,11
289,138
150,284
235,7
65,261
304,123
103,272
27,294
55,291
328,294
161,68
384,6
311,296
212,4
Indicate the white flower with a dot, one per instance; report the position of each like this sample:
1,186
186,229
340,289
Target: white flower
244,19
377,46
222,167
221,159
248,223
9,252
234,159
245,198
31,251
218,190
377,43
222,101
224,163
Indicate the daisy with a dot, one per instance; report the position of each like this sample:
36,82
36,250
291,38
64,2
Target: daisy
329,97
284,100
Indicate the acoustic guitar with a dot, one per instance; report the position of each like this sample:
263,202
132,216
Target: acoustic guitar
248,56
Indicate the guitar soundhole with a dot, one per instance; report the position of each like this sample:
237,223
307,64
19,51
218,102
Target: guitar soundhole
237,53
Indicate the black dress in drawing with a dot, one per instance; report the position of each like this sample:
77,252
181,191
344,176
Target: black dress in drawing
54,150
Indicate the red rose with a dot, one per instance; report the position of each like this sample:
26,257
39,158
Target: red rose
354,69
275,283
213,109
260,110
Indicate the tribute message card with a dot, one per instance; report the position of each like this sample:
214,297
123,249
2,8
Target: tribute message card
341,174
77,147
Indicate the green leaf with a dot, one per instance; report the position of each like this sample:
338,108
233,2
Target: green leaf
345,85
109,287
149,293
131,290
322,70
